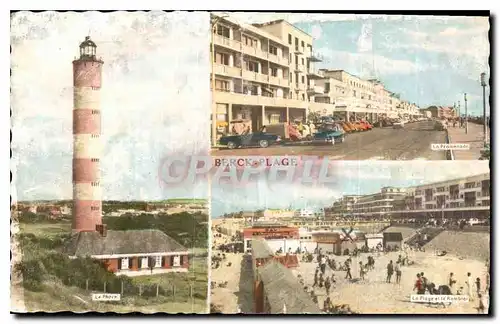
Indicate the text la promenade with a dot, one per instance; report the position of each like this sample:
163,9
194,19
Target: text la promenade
239,170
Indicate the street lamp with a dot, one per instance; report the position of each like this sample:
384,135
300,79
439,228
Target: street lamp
466,116
485,126
213,30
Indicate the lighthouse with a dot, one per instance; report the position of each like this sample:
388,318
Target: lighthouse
87,77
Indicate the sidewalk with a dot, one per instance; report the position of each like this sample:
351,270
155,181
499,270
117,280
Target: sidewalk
474,138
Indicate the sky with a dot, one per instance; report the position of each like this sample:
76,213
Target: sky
428,60
153,63
352,178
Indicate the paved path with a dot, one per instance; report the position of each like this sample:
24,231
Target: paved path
411,143
474,138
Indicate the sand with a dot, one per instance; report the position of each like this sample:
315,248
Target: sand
236,296
375,296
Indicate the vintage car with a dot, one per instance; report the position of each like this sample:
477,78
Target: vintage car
329,134
351,126
398,123
367,124
347,127
361,125
259,139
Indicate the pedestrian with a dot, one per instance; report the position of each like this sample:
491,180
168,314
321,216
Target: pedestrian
361,270
327,305
478,286
321,280
397,268
333,279
481,307
451,280
487,288
390,271
469,284
315,279
418,285
348,274
328,285
425,282
323,264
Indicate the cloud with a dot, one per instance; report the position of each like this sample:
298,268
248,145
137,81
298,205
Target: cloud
316,31
261,17
356,63
147,105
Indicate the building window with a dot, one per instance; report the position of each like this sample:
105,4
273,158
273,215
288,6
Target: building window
176,261
274,72
289,39
125,263
94,160
223,31
291,77
302,60
296,43
249,41
221,85
252,66
158,261
94,184
94,136
94,208
144,262
221,58
95,112
273,50
302,44
302,79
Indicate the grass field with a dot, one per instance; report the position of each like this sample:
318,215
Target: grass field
190,288
185,201
45,229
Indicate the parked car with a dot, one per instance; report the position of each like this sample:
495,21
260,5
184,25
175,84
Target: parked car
398,124
260,139
329,134
367,124
348,127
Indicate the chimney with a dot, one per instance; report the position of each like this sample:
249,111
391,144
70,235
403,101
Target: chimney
102,229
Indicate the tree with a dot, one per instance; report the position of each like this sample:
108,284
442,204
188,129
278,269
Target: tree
313,117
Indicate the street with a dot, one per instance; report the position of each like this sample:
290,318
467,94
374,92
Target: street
413,142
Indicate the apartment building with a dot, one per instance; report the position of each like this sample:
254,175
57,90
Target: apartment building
471,193
310,213
464,197
376,204
260,73
352,97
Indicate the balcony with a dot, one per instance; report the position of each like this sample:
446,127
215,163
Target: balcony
255,76
254,100
227,70
227,42
314,57
279,81
314,74
254,51
298,68
315,90
278,60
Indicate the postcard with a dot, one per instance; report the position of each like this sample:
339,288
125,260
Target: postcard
411,238
98,99
350,86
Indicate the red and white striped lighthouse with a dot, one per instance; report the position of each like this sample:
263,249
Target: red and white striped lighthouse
87,76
